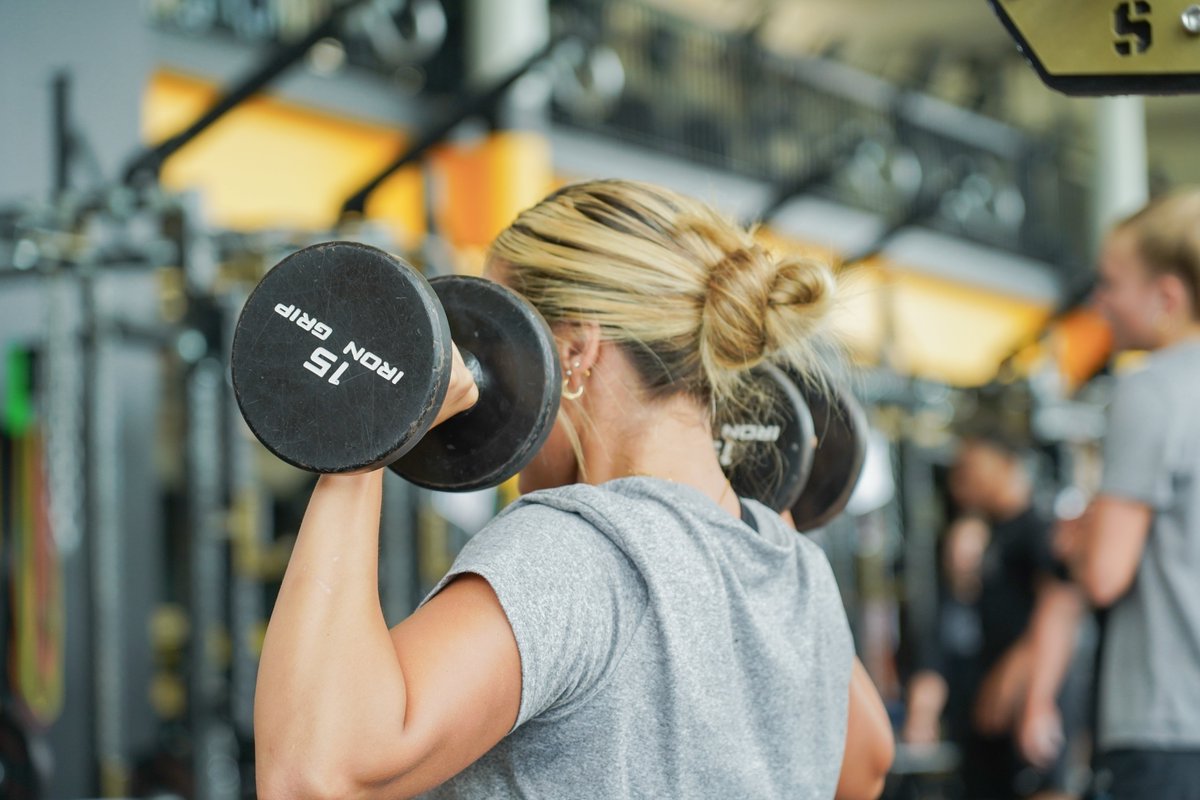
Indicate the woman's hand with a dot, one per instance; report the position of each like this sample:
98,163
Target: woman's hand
462,393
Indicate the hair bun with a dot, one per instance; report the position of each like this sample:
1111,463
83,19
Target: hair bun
757,306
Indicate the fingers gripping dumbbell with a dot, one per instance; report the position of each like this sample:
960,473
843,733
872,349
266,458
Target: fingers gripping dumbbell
342,358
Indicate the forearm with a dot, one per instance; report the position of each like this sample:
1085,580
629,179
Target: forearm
927,692
329,679
1052,636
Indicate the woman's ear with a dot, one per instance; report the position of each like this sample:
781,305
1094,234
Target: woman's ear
578,347
1174,297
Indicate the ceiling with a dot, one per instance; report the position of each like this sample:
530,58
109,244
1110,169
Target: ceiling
955,49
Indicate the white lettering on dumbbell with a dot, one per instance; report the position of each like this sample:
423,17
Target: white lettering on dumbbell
319,363
749,432
334,379
724,452
304,321
373,362
321,360
745,432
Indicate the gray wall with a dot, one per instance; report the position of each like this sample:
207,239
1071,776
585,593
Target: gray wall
107,52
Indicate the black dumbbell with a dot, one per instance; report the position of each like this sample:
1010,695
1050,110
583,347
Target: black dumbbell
767,454
342,358
841,448
803,453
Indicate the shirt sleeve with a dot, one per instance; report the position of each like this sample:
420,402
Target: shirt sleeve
571,596
1136,441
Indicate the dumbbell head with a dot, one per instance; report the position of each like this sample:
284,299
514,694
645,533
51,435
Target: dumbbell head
841,431
768,454
341,358
520,384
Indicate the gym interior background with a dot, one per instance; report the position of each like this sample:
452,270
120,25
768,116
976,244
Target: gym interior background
156,158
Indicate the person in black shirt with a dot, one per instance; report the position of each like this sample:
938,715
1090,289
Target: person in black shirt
1017,573
942,688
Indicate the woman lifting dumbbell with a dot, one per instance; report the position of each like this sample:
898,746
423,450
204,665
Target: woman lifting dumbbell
633,629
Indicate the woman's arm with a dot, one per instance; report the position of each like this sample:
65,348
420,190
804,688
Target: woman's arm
346,708
870,746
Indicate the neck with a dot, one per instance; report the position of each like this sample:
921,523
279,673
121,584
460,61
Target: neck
1011,503
1188,331
670,439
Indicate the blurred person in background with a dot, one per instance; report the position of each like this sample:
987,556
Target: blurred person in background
942,689
1136,551
1018,575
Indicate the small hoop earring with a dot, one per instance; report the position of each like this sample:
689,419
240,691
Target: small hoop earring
570,394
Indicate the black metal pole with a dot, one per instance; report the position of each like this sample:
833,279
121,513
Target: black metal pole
474,105
1074,298
61,124
820,170
923,206
149,162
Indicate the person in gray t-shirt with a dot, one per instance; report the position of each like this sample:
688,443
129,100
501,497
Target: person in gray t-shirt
629,628
1137,549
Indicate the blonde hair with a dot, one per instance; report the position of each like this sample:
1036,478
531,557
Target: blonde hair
1167,231
695,301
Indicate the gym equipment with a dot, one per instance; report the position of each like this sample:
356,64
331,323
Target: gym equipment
1084,47
33,586
342,358
769,455
149,161
511,353
21,777
841,431
470,106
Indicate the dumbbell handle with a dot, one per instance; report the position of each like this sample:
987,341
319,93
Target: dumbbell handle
475,370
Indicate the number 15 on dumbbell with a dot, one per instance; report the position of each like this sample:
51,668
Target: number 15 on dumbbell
321,360
342,358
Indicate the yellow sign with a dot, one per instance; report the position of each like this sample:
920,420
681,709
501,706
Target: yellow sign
1109,46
